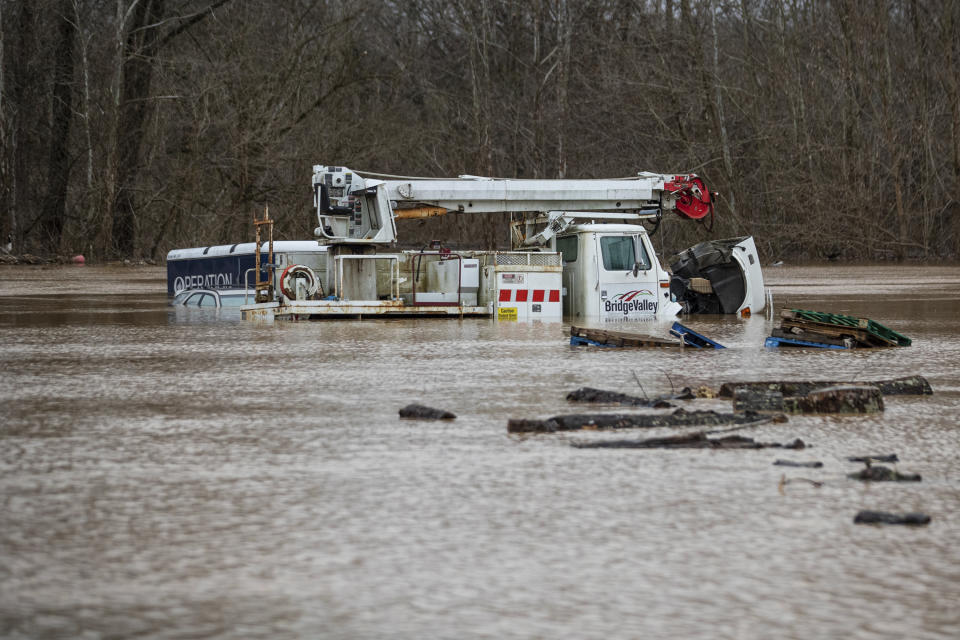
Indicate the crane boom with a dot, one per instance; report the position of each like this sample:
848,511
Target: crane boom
352,208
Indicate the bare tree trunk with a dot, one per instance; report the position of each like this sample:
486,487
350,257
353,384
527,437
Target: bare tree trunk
105,242
6,176
19,135
896,154
951,22
480,85
718,110
539,80
564,38
61,116
142,43
854,163
85,72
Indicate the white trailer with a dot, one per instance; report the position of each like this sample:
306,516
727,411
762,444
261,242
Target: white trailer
231,266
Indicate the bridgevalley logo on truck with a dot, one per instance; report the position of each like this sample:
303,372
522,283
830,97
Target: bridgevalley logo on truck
639,301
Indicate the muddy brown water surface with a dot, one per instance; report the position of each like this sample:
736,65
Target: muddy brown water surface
171,473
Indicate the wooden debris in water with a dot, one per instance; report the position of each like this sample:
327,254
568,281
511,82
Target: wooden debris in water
800,327
887,457
784,481
606,338
697,440
883,474
678,418
907,386
815,464
884,517
589,394
839,399
418,411
759,400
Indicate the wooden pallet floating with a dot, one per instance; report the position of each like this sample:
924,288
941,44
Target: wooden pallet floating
605,338
804,328
873,328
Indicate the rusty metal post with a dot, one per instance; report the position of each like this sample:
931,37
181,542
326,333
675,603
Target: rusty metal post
264,288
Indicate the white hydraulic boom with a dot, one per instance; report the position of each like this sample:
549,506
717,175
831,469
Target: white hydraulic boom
353,209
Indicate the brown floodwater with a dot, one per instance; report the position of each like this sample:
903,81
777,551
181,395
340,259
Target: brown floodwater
175,474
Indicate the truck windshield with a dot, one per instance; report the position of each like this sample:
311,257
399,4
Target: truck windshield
621,252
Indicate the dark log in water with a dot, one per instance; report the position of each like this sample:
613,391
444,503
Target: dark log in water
760,400
790,463
679,418
883,474
588,394
697,440
883,517
418,411
909,386
842,399
889,457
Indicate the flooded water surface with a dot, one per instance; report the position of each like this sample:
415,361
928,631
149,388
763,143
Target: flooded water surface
171,473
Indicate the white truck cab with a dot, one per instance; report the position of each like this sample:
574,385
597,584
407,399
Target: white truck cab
611,273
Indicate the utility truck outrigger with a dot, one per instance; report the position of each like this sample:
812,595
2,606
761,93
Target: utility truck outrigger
579,249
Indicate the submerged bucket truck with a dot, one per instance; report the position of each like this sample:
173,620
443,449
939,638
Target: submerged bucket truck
579,250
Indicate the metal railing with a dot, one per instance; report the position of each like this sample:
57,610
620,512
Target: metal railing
520,258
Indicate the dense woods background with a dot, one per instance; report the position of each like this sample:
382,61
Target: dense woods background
128,127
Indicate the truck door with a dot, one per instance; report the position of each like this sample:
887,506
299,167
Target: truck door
569,249
628,282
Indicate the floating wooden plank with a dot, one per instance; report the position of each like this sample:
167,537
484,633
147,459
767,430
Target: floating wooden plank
908,386
885,457
422,412
692,338
606,338
879,473
697,440
881,334
884,517
774,342
813,464
593,421
589,394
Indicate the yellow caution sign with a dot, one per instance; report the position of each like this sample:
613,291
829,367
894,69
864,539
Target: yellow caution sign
507,313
